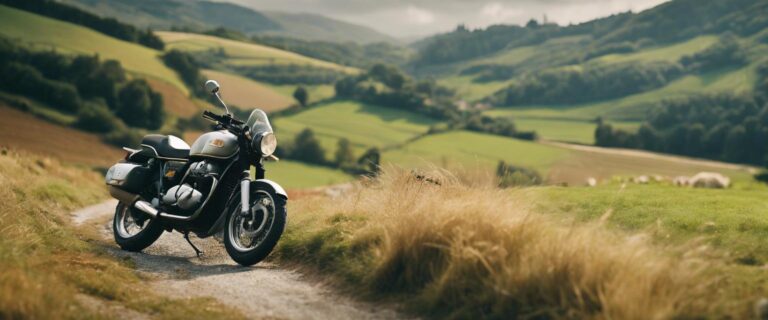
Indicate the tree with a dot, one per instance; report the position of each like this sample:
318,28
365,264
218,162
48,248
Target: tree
139,106
344,156
307,148
301,95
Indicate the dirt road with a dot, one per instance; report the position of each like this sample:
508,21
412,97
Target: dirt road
262,291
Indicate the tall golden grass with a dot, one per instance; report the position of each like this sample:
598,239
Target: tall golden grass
469,250
45,264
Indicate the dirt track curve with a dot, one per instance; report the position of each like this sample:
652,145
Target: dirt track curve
262,291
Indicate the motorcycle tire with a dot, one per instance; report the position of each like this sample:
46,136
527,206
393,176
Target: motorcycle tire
263,249
139,241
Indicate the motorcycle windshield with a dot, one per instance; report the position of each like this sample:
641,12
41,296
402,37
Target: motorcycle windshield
258,122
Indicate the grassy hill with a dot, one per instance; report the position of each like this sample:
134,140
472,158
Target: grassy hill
242,53
46,34
203,15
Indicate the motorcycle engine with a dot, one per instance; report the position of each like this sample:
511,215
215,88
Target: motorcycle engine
198,182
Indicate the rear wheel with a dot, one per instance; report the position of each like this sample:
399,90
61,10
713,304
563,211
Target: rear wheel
250,237
133,229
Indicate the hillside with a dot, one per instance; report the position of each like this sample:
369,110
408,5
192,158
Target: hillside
557,80
45,34
239,54
204,15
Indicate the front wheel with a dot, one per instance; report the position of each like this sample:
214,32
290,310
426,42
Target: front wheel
250,237
133,229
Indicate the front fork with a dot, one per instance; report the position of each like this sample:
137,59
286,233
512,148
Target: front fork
245,187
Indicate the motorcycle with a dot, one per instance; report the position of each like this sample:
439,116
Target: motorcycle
205,189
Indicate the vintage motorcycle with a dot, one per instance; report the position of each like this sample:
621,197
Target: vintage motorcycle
206,189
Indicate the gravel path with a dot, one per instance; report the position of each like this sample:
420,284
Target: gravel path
261,291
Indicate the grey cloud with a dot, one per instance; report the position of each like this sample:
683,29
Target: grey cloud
404,18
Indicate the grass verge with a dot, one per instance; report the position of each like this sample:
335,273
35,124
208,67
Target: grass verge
454,250
45,265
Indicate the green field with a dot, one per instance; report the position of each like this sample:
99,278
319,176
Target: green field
297,175
364,125
46,34
732,219
242,53
472,91
470,150
670,53
576,131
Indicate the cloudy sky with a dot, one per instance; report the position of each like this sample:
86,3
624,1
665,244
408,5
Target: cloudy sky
409,18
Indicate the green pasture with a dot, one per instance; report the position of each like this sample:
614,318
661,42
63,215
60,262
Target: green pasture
298,175
576,131
671,53
50,34
364,125
474,150
734,220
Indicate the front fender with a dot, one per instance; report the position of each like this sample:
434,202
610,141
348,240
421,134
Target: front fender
266,184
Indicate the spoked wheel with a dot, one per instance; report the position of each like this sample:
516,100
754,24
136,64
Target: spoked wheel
250,237
133,229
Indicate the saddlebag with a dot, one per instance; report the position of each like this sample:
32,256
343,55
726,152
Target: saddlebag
128,176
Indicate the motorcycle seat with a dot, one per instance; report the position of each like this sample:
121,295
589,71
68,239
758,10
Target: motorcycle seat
165,147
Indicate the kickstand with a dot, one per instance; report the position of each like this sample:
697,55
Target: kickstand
198,252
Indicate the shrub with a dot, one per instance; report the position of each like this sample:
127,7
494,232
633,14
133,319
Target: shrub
96,117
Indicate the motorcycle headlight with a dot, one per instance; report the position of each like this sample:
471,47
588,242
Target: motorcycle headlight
267,144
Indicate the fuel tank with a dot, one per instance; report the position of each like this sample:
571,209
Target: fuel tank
217,144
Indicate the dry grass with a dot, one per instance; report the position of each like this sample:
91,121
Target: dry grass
26,132
44,265
462,251
248,94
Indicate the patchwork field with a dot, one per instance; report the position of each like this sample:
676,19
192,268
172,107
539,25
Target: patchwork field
47,34
242,53
364,125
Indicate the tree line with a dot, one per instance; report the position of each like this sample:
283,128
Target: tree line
99,93
588,83
720,127
108,26
596,81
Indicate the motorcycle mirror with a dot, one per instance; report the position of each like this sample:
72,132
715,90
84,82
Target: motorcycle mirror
212,86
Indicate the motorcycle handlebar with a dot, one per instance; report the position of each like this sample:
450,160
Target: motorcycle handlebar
227,121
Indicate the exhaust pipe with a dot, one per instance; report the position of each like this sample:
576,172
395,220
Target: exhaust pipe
147,208
134,200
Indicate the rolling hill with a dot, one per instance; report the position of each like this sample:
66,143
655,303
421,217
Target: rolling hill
242,53
42,33
484,65
203,15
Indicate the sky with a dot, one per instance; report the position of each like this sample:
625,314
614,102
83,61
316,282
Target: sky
413,18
